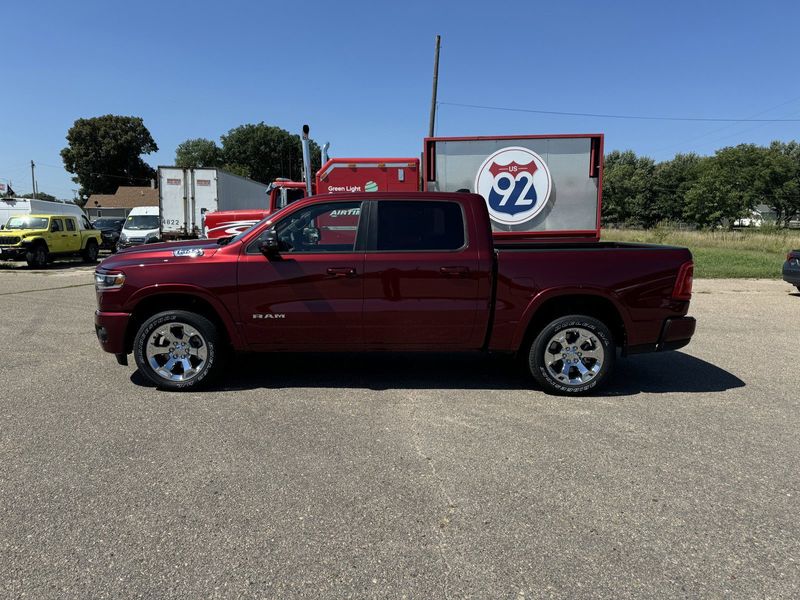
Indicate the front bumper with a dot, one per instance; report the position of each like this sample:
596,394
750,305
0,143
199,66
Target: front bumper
111,329
128,244
108,243
13,252
676,333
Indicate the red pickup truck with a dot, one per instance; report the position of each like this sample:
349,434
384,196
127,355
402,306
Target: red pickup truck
392,271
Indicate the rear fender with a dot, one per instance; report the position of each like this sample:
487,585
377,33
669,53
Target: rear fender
587,293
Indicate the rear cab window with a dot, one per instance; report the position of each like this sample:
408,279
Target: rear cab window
419,226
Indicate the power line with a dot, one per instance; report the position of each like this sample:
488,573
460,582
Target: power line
717,130
605,116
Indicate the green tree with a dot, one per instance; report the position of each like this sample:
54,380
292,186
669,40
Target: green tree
728,187
198,152
39,196
673,179
105,152
265,152
779,180
627,188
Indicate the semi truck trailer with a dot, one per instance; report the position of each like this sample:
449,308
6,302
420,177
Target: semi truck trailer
185,195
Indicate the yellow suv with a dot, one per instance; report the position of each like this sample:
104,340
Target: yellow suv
40,238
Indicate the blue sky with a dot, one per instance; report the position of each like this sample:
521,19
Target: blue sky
360,73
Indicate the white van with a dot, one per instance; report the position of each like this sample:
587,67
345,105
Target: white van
21,207
141,227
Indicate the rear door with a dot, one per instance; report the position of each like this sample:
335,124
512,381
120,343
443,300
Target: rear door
72,237
310,297
421,277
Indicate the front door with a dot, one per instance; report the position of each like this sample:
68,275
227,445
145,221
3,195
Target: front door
310,296
56,241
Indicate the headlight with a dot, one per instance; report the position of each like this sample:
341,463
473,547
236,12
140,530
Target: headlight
108,281
123,237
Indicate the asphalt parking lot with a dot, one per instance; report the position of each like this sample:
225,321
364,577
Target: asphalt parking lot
399,476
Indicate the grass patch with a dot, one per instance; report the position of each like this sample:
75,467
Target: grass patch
717,254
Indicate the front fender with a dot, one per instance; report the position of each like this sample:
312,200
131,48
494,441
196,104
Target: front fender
29,242
163,289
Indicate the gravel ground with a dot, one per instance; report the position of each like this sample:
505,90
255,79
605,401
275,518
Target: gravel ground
399,476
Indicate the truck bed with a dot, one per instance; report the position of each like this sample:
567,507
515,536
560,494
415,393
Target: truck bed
631,283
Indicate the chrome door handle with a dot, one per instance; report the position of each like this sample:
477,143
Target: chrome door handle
341,271
454,271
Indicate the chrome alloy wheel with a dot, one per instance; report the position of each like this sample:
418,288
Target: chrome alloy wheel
176,351
574,356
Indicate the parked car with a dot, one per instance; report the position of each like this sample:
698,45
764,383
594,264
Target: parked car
791,269
141,227
392,271
40,238
110,229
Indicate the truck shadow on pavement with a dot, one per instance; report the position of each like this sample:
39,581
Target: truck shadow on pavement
653,373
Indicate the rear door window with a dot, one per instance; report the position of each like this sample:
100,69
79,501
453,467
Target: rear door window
419,226
55,225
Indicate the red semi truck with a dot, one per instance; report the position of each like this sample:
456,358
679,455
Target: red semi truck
337,175
419,271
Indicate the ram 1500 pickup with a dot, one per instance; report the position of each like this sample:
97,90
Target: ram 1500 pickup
392,271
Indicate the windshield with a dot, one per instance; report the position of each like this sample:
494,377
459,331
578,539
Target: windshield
27,223
108,223
141,222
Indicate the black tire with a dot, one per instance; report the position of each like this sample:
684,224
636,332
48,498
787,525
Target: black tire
90,252
205,330
37,256
597,336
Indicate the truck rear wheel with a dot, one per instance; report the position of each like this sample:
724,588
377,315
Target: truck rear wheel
572,355
90,252
37,256
177,350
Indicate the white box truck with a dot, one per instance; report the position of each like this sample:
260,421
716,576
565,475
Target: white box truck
186,194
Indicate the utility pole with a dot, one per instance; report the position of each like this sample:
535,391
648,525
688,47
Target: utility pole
33,179
435,86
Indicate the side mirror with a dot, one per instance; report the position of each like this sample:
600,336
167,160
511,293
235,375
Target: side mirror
269,245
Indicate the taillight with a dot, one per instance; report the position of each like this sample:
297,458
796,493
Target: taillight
683,284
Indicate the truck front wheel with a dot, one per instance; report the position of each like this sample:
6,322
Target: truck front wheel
177,350
572,355
37,256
